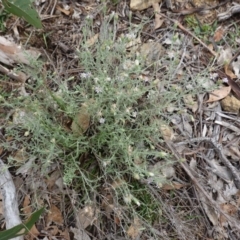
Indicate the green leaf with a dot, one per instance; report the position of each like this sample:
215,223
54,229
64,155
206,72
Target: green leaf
23,9
21,229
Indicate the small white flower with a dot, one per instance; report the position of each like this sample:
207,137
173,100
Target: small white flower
128,64
137,62
171,54
151,174
127,198
134,114
89,17
26,134
130,36
136,176
102,120
225,80
213,76
108,79
122,77
98,89
85,75
128,110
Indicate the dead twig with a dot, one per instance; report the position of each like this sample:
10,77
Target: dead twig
218,147
186,168
179,25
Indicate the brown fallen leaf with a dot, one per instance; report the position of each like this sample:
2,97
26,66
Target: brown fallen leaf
54,215
219,94
158,18
218,35
87,215
66,12
135,229
229,209
92,40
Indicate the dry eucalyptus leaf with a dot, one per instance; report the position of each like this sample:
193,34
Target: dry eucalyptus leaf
87,215
26,167
225,56
172,186
219,94
158,18
81,122
79,234
138,5
230,210
12,53
54,215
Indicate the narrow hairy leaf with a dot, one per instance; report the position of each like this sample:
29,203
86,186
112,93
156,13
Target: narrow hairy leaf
23,9
21,229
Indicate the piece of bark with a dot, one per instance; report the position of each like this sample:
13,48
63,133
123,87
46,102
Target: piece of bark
10,204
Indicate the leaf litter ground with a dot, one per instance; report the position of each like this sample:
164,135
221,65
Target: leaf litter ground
183,50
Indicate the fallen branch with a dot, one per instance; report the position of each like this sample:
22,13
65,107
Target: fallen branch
179,25
218,147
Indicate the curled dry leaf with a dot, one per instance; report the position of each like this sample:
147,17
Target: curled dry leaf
234,86
229,72
65,11
219,94
90,42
